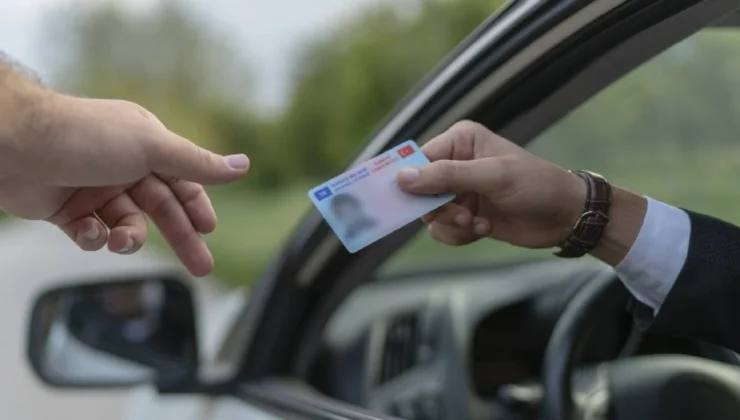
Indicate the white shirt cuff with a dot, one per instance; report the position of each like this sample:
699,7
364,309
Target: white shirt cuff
656,258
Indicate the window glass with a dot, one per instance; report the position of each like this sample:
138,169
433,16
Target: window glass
670,130
299,97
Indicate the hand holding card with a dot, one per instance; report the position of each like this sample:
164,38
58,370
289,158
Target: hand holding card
365,204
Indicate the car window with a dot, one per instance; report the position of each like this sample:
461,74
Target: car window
299,104
670,129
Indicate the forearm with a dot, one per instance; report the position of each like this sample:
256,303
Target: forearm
22,110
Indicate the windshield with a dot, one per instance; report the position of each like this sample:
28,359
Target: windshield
670,129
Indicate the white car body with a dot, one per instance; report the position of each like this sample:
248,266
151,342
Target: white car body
36,256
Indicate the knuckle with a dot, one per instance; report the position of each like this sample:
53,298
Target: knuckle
445,234
194,197
448,169
506,168
171,181
447,217
140,110
464,135
165,207
205,158
154,197
466,131
466,125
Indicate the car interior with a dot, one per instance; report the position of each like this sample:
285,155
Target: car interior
422,331
404,344
432,343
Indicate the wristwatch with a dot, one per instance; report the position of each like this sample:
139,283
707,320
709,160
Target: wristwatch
589,229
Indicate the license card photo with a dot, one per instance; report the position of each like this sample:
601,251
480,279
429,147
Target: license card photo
365,203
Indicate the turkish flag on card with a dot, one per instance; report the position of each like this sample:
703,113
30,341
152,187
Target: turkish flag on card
406,151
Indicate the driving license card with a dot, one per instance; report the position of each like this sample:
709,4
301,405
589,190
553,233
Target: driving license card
365,203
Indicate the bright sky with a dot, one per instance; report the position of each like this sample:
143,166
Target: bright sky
268,31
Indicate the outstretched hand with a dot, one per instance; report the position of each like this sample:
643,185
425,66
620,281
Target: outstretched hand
503,191
99,169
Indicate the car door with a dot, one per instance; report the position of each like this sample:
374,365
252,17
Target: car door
522,70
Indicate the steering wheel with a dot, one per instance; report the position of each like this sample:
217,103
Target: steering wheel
639,388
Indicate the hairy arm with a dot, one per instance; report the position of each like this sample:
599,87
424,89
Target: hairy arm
23,103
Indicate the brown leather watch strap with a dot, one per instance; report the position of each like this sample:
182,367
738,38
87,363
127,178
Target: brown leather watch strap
589,228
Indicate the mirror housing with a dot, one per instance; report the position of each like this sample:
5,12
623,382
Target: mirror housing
115,333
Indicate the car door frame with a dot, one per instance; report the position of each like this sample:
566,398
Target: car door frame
522,70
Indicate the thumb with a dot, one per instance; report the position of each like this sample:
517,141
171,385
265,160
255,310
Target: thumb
178,157
450,176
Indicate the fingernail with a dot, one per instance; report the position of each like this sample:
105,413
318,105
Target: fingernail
481,229
92,234
128,247
237,162
461,220
408,175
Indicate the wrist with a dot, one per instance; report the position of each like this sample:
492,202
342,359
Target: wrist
626,216
576,194
25,109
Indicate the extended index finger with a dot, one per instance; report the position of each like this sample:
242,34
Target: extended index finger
175,156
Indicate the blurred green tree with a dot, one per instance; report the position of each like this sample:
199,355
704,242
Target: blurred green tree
347,81
682,101
168,61
344,83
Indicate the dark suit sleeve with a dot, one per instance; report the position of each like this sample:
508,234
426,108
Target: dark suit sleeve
704,302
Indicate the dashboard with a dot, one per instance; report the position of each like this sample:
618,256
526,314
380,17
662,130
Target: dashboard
431,344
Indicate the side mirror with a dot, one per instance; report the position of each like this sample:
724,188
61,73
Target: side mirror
114,333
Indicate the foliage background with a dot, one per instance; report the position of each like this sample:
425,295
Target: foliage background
664,130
